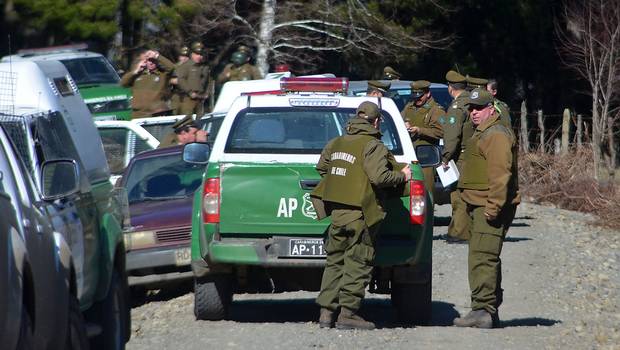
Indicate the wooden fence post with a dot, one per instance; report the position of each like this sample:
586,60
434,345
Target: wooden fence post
565,131
525,142
541,126
579,132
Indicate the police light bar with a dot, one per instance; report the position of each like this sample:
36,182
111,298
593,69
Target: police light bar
52,49
314,84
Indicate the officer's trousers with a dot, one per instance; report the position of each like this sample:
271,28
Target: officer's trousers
429,180
459,224
188,107
348,267
484,263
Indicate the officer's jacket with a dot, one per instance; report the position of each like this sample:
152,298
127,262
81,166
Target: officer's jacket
149,89
455,120
355,168
243,72
192,77
489,177
504,112
427,118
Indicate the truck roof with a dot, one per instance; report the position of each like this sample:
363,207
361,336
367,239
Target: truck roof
51,53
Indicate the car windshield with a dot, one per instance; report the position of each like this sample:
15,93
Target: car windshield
91,70
297,130
162,178
402,96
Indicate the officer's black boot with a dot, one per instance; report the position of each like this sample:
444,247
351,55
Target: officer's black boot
326,318
350,320
478,319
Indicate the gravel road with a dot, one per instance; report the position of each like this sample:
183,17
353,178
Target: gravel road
561,285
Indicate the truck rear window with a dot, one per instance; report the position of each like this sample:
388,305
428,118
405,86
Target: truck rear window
297,130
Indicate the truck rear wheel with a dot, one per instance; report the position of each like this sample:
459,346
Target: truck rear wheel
26,337
111,314
212,297
76,332
413,302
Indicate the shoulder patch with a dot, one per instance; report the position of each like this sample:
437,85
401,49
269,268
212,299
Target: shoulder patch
452,120
442,120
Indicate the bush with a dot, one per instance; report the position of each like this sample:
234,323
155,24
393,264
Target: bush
568,182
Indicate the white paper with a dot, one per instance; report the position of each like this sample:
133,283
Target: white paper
448,176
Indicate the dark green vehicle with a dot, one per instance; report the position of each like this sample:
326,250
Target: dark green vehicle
254,228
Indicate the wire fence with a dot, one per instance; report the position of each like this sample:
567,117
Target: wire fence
8,82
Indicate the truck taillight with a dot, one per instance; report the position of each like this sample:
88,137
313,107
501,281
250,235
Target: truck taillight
417,202
211,201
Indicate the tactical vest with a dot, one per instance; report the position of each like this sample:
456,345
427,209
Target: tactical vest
475,172
345,181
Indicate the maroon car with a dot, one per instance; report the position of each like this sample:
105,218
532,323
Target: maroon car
160,189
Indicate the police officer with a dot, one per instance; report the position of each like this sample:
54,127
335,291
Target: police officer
390,73
186,130
193,80
457,131
422,117
149,84
239,68
175,99
489,186
377,88
500,106
355,168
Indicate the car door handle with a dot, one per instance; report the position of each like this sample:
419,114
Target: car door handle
308,184
26,223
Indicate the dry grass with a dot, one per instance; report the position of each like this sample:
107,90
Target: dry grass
567,182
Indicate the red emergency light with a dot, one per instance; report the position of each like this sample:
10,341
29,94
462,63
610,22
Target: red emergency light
314,84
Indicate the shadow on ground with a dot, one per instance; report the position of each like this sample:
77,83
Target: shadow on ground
379,311
509,239
529,322
141,296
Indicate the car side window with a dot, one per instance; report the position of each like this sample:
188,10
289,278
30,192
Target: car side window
9,183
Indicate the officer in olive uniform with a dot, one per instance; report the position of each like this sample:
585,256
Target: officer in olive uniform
193,81
186,130
377,88
355,169
422,117
457,130
148,81
175,98
500,106
239,68
390,73
489,186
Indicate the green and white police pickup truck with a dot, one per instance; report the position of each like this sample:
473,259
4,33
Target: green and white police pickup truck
254,228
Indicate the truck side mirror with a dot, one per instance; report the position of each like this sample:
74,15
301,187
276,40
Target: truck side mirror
428,155
59,178
196,153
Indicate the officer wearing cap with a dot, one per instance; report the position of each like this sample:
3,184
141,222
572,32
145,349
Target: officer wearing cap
240,67
193,81
186,130
390,73
422,115
355,169
473,82
457,130
489,186
175,99
377,88
500,106
148,80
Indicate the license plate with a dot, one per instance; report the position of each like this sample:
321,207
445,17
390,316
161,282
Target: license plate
183,256
306,247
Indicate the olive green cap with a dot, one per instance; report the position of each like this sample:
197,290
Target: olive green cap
370,109
479,97
184,51
455,77
378,85
476,82
391,73
198,47
181,123
420,85
243,48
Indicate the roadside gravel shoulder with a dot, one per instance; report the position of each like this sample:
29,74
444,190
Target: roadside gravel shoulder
561,285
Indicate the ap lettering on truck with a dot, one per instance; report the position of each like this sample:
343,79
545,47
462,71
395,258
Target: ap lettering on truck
287,206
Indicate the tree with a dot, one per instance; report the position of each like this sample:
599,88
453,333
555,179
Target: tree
590,44
299,32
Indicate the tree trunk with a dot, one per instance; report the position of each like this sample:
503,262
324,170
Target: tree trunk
579,132
597,155
525,142
612,148
265,33
541,126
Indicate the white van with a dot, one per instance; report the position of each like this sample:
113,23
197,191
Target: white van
44,115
